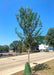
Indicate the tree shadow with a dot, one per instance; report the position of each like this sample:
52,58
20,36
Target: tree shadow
41,67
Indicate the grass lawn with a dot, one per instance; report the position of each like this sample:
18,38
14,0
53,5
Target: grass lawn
42,72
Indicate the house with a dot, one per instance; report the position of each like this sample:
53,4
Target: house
43,47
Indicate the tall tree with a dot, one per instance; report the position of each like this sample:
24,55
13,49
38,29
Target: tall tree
14,45
49,38
30,24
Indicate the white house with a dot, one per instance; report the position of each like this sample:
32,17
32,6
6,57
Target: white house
43,47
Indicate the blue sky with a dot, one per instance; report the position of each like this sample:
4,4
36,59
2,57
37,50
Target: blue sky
8,22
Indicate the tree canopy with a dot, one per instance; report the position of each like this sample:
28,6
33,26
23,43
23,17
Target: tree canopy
31,25
49,38
14,45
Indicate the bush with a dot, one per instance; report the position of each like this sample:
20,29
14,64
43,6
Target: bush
41,67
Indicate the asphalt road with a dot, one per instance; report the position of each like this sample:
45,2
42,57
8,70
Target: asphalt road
14,64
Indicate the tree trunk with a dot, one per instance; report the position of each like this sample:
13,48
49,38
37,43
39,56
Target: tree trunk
53,48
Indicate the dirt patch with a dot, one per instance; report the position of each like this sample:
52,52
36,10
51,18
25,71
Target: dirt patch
41,72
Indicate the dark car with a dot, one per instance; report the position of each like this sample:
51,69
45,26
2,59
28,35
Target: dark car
1,55
37,51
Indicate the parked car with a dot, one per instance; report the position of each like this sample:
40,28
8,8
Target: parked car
1,55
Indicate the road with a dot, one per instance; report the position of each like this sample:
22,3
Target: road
14,64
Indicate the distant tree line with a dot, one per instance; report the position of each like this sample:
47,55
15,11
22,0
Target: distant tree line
4,48
19,46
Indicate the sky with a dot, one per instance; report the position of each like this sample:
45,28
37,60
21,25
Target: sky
8,21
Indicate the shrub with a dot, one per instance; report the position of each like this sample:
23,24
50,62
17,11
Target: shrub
41,67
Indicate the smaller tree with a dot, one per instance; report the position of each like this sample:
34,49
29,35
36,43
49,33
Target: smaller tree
35,47
49,38
14,45
6,48
20,46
